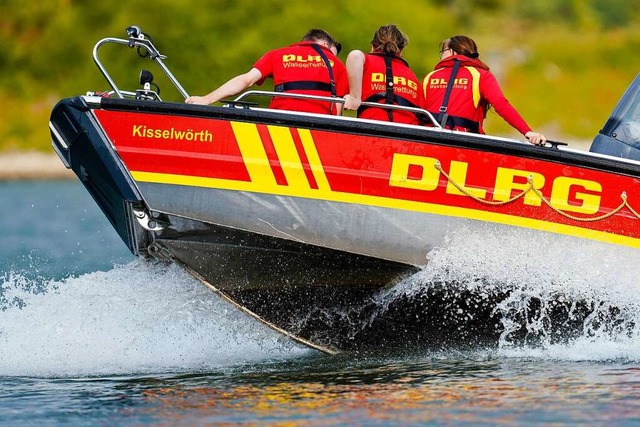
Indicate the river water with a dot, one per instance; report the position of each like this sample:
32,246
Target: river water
90,335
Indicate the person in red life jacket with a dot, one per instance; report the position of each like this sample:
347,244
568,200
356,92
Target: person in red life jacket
382,76
309,67
461,89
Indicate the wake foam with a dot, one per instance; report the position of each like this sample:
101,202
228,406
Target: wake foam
147,317
546,285
136,318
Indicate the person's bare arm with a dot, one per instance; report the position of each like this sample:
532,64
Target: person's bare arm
355,67
230,88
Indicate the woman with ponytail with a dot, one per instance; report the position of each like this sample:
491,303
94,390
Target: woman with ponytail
383,77
461,89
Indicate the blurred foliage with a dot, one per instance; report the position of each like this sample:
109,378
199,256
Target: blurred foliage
562,63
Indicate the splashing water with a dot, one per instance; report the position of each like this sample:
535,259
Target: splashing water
136,318
150,317
594,286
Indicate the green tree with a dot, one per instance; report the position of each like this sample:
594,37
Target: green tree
552,57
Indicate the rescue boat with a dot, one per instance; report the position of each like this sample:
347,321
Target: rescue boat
302,219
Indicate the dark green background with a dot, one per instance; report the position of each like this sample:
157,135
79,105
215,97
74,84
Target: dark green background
562,63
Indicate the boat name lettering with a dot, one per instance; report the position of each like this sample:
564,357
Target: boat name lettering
567,193
142,131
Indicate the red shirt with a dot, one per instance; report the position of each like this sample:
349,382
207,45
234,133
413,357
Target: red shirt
300,62
474,89
405,86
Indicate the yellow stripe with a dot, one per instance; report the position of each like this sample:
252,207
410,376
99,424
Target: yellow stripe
475,85
288,156
253,153
389,203
425,82
198,181
314,159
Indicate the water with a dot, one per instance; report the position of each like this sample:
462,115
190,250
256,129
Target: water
90,335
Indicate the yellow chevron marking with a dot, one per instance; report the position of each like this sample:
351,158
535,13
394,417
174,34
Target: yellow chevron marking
288,156
314,159
254,156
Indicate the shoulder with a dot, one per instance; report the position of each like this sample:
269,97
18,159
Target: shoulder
299,44
273,53
295,47
374,60
357,54
428,77
336,62
401,60
486,76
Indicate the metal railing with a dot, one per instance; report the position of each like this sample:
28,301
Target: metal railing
145,48
142,43
333,100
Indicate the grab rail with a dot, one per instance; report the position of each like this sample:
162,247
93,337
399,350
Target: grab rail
336,101
138,40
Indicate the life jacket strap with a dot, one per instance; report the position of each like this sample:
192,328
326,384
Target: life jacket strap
327,63
377,97
451,122
303,85
447,93
390,95
397,100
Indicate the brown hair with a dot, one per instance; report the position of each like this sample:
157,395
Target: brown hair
316,35
462,45
389,39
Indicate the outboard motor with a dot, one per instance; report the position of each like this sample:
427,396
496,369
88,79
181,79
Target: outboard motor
620,135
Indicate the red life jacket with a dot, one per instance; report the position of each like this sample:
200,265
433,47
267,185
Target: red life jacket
474,89
301,68
387,79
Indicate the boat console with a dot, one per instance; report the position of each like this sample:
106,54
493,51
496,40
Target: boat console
620,136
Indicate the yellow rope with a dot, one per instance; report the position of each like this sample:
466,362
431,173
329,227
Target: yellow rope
477,199
577,218
633,211
541,196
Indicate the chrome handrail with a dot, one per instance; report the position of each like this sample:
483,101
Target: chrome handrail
336,101
138,41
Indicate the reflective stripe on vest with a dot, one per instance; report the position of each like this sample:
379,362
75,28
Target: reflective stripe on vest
475,85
